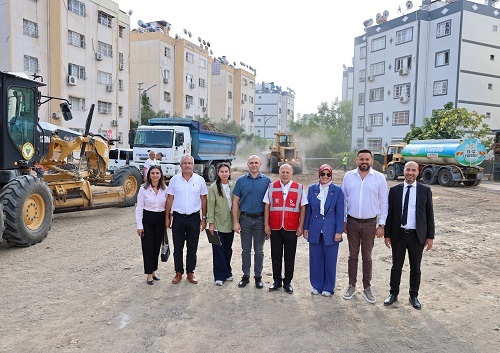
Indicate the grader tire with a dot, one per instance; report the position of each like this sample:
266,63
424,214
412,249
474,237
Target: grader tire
130,178
274,167
28,210
391,173
210,173
2,224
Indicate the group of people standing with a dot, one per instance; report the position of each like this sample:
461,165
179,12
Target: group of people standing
259,209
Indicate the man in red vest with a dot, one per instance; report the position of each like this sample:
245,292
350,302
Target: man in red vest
284,215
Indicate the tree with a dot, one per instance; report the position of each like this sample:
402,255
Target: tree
450,123
147,111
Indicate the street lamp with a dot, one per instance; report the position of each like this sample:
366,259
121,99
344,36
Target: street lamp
265,121
140,96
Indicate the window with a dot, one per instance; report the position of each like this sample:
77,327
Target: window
202,102
401,118
359,143
203,63
104,107
250,115
77,103
251,84
440,88
361,99
104,19
166,97
105,49
377,94
375,119
250,99
104,78
120,58
492,57
374,144
396,140
120,85
362,75
77,7
30,28
77,71
201,82
378,44
120,111
229,112
361,122
76,39
495,28
490,86
442,58
243,114
166,52
120,31
166,74
30,63
229,95
401,91
189,78
405,35
487,115
243,97
230,78
189,99
245,82
362,52
402,63
377,69
189,57
443,29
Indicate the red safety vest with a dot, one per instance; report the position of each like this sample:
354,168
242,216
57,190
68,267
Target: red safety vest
284,213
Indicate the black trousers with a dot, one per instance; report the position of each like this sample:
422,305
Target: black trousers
283,242
410,242
185,229
154,231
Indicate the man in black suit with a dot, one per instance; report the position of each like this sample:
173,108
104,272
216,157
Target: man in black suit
409,226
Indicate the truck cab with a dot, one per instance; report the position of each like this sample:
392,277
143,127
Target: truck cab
391,160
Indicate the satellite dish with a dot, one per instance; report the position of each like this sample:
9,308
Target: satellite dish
199,39
177,36
211,52
204,43
141,24
368,23
409,5
130,12
206,48
201,46
208,44
234,63
378,18
185,31
189,34
386,14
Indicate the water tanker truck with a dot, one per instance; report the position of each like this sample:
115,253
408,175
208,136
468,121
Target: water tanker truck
447,162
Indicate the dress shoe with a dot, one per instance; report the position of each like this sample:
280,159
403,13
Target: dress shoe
275,286
390,299
191,278
177,278
288,288
150,282
258,283
244,281
415,303
156,277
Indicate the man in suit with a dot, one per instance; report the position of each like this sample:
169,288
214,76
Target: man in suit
409,226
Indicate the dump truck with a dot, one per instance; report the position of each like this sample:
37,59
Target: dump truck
447,162
283,150
174,137
35,177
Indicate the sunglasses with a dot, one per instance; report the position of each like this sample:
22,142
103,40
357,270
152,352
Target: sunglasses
325,174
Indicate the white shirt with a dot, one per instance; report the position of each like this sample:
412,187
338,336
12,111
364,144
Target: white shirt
149,201
149,163
365,198
227,192
284,189
187,193
322,196
411,220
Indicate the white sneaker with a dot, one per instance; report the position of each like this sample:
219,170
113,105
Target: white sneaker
368,295
326,294
349,293
230,278
218,283
314,291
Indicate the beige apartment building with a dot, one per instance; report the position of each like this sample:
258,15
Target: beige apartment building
81,53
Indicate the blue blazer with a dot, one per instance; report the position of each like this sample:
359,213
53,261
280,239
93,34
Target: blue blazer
333,220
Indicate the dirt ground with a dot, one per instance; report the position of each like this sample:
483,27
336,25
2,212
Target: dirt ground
83,290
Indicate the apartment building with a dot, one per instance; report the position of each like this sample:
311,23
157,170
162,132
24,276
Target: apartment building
81,55
347,83
173,72
404,69
274,109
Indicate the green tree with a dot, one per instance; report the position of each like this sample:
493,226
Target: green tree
147,111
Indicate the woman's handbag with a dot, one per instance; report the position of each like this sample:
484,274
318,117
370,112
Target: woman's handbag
165,248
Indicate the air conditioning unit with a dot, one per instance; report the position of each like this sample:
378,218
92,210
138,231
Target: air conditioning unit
204,109
165,80
404,99
403,71
72,80
188,105
243,101
121,66
114,122
169,99
109,88
368,128
98,56
192,85
243,117
371,78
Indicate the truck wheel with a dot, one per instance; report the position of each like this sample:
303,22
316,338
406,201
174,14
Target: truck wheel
428,176
469,182
131,179
2,225
28,209
445,178
391,173
274,165
298,169
210,173
477,182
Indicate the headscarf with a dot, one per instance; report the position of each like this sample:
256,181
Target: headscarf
323,188
322,168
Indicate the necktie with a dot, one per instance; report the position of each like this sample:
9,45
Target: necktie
405,206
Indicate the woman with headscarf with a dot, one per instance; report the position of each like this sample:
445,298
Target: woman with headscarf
323,229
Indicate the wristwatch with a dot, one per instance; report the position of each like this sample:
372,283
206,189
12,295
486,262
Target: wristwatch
204,217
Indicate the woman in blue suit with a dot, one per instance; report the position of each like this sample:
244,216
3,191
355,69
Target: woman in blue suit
323,229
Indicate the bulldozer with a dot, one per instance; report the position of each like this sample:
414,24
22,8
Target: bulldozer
35,178
284,150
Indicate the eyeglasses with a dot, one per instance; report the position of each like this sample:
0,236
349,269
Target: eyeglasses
325,174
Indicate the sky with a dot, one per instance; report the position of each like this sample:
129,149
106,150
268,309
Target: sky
302,45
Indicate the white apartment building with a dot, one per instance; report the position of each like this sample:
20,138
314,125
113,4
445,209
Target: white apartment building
81,55
274,108
404,69
347,83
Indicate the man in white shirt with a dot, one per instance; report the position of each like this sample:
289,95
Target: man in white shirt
150,161
365,193
187,195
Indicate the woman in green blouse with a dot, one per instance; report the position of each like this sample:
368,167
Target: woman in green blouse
220,197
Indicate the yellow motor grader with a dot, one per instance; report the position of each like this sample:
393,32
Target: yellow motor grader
35,178
283,150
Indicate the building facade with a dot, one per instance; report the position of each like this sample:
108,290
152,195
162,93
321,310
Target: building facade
406,68
274,109
347,83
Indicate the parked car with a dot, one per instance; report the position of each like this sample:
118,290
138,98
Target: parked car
118,158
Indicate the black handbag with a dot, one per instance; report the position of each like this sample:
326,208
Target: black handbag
165,248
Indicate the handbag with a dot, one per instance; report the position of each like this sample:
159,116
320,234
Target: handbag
165,248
